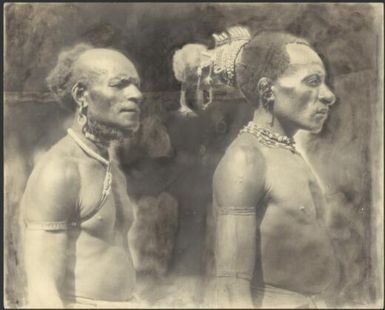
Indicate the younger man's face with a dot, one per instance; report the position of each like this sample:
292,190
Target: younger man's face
302,99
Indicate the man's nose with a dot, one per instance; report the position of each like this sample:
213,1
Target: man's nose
133,93
326,96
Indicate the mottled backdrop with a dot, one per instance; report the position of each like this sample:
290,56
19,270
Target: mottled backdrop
170,164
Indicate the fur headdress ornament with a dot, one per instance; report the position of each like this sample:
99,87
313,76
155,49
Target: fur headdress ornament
215,67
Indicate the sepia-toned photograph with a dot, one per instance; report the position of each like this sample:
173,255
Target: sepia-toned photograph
193,155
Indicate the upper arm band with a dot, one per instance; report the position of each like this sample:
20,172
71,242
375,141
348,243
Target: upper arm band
49,226
233,274
236,210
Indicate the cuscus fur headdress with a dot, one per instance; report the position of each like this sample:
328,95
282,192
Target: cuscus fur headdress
213,68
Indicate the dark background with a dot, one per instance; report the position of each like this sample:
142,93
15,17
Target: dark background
169,167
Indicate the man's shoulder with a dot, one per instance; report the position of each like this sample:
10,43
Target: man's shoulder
57,164
239,179
244,154
242,162
53,187
55,170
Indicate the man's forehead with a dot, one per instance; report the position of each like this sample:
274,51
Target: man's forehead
106,60
301,54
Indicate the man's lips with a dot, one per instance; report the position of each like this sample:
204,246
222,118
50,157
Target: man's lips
130,110
322,112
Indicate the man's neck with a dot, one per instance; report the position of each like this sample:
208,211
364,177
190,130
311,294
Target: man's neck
266,120
99,148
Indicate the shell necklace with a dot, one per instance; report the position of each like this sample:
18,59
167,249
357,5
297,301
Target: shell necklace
268,138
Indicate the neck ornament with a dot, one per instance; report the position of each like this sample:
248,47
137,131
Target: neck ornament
108,178
86,148
268,138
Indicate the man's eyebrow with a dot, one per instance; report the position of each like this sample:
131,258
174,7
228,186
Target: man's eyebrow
319,73
124,77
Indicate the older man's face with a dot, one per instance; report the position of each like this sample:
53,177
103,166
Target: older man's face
113,96
302,99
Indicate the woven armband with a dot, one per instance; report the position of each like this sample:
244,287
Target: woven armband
49,226
235,275
236,210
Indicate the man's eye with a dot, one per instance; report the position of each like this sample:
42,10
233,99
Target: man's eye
118,84
121,83
313,81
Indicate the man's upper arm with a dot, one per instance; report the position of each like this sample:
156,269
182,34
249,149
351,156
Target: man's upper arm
48,207
238,187
51,195
239,181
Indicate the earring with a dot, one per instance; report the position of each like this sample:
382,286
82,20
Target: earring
264,85
82,117
268,104
267,100
272,113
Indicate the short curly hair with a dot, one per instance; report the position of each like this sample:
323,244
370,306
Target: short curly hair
264,56
61,79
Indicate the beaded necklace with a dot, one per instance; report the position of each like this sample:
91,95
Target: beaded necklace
108,178
268,138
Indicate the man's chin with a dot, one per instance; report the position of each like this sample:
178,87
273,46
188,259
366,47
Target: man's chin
313,128
316,129
111,131
131,128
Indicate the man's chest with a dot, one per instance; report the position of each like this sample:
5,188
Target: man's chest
104,215
292,185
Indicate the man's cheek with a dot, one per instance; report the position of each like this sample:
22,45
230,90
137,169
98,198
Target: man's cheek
101,100
285,95
306,97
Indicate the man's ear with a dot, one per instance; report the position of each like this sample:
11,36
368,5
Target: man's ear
78,94
264,86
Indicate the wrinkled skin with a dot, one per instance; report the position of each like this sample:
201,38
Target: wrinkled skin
94,260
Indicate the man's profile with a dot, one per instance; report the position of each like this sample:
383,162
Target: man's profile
272,248
75,207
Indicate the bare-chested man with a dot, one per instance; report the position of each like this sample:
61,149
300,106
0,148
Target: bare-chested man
76,208
272,247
